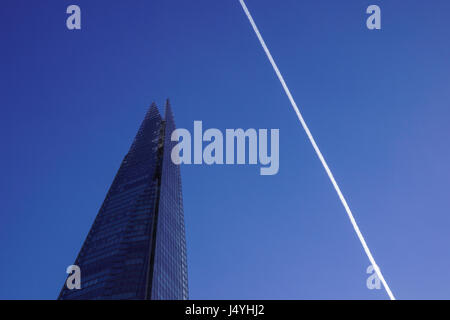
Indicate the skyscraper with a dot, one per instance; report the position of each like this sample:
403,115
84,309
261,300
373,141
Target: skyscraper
136,248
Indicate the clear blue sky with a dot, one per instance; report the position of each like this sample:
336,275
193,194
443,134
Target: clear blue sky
378,103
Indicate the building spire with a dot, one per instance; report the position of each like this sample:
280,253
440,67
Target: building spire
168,112
153,109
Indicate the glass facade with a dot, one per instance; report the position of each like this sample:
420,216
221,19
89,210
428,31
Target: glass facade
136,248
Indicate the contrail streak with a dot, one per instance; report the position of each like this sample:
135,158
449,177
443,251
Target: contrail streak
319,154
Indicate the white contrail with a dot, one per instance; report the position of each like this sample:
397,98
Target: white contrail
319,154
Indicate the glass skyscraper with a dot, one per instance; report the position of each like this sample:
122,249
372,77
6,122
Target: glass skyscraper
136,248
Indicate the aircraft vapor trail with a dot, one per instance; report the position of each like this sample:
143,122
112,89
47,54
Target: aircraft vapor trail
319,154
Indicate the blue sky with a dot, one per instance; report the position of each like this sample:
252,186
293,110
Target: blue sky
377,103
